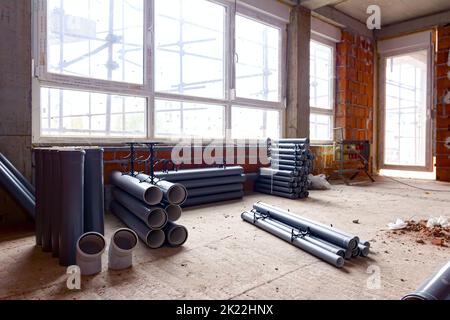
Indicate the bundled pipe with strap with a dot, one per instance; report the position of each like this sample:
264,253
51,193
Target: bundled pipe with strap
292,236
314,228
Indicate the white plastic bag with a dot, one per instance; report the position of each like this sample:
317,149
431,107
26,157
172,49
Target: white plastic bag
398,225
438,222
319,182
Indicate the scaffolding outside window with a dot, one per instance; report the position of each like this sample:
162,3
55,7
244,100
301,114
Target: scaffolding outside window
322,90
172,66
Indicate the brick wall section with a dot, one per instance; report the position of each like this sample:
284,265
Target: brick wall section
355,86
443,110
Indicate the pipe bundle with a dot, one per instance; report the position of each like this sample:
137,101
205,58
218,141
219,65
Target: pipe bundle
69,199
150,208
291,162
208,185
320,240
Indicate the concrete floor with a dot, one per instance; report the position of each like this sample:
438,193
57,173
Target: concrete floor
226,258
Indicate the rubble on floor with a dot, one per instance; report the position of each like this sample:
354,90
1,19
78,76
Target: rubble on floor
437,235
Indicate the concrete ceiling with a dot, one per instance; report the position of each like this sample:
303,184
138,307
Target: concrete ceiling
392,11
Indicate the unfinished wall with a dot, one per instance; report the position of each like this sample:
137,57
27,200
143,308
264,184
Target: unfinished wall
443,110
354,110
15,95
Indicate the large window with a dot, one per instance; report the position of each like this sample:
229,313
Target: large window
164,69
322,90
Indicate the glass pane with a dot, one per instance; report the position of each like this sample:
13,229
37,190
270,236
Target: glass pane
406,110
321,76
101,39
189,39
321,127
258,54
89,114
175,119
249,123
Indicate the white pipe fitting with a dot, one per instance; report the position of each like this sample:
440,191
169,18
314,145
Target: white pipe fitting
90,248
123,243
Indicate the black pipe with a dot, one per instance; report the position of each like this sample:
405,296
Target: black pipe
47,197
197,192
262,185
72,204
278,183
191,174
194,201
279,178
200,183
38,166
17,174
56,201
94,199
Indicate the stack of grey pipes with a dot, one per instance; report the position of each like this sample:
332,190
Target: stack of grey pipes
69,198
208,185
325,242
150,208
291,161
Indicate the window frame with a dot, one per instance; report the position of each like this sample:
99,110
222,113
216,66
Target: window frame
322,111
43,78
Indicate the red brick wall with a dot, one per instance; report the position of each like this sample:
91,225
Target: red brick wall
443,111
355,86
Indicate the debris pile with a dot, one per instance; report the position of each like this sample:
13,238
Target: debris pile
437,235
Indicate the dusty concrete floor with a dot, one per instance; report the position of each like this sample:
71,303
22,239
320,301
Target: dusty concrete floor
226,258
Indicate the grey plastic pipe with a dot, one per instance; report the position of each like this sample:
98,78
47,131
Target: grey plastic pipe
90,247
268,186
154,239
16,191
295,152
173,193
291,146
191,174
304,225
328,246
153,217
143,191
278,183
56,201
363,250
94,198
282,232
287,157
194,201
174,212
176,235
38,180
282,162
72,204
298,141
273,172
277,193
435,288
279,178
17,174
200,183
332,229
197,192
47,198
120,254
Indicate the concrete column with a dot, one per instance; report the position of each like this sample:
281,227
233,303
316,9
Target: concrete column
15,94
299,35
